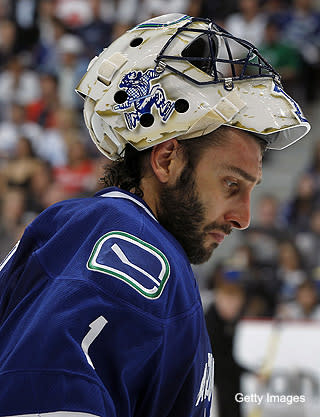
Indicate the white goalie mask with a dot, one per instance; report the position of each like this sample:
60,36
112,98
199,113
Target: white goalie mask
176,76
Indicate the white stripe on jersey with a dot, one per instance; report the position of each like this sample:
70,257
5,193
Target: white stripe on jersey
9,256
119,194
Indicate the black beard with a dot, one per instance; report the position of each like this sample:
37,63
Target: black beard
182,214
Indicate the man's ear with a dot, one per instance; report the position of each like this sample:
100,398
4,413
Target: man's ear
166,161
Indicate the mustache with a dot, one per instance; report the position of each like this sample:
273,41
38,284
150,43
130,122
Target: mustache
225,228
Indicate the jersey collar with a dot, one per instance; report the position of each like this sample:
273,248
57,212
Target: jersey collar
115,192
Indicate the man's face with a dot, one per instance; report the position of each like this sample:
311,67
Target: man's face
203,205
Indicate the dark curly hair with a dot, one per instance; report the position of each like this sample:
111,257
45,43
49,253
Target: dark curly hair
127,171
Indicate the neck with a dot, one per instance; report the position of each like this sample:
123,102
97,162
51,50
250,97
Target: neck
150,193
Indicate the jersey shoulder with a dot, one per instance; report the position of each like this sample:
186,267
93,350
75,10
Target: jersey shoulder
114,241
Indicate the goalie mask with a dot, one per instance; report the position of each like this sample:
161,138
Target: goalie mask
177,76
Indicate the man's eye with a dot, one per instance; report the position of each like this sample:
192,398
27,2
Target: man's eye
231,184
232,187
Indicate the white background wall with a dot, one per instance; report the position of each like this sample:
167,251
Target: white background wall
293,349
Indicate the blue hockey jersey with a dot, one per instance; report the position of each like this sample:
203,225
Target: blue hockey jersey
100,315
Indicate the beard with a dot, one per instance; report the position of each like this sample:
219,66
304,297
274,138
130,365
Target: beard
182,213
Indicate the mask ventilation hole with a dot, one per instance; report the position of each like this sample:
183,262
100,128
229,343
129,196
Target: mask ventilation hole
120,96
136,42
146,120
181,105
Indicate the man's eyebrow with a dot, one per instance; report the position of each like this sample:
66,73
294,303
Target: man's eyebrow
244,174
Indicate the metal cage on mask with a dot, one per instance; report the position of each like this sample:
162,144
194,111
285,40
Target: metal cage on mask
209,42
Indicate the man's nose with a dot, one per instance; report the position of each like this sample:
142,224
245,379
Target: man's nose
239,214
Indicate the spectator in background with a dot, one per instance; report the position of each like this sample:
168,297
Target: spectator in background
276,11
97,33
125,16
74,13
290,270
242,259
314,167
43,110
18,171
18,83
266,231
207,287
76,177
308,242
221,319
45,53
284,58
249,23
24,13
301,30
259,281
8,47
71,68
305,306
12,212
46,14
8,41
53,147
299,209
241,266
4,8
216,10
40,182
274,8
15,127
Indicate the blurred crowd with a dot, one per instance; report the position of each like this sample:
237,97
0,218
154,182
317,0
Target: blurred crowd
46,154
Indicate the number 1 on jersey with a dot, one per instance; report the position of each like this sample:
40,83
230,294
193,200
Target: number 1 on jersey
95,329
